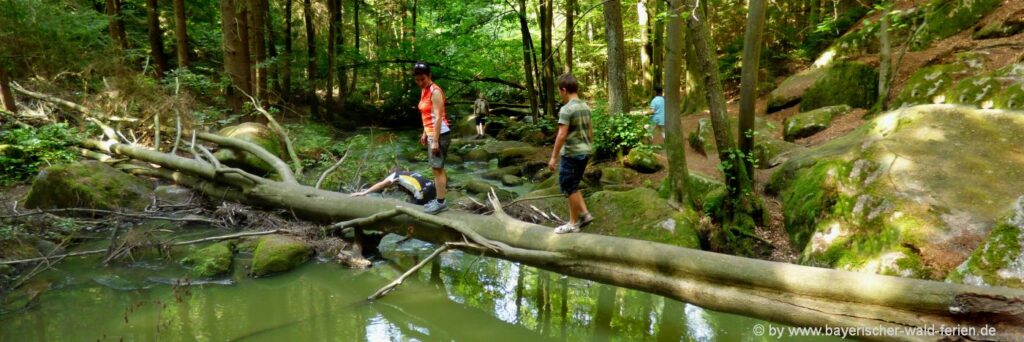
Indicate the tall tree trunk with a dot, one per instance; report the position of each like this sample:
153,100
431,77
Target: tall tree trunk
180,33
258,17
658,46
332,40
355,26
742,208
6,95
547,52
245,46
156,38
116,25
570,14
618,96
645,45
675,142
274,74
748,79
286,61
415,8
311,97
233,64
339,35
884,59
531,89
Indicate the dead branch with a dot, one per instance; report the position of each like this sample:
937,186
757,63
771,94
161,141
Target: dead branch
281,132
279,166
111,212
394,284
454,225
330,169
65,103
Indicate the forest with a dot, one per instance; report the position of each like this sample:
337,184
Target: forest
670,170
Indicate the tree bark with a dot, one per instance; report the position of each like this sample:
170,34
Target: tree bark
156,40
339,34
258,15
311,97
547,52
355,27
643,20
618,95
884,59
116,25
181,33
274,72
675,142
6,95
245,46
784,293
332,41
286,61
570,14
748,78
531,89
657,46
233,64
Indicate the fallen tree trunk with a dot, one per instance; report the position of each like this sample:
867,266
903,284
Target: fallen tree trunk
779,292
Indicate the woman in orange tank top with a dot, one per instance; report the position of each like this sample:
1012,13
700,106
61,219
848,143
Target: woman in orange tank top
435,132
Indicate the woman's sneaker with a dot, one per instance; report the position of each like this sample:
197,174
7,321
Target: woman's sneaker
567,228
434,207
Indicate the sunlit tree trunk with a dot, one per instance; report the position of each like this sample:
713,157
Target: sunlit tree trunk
116,25
181,33
748,79
234,67
618,96
675,142
332,40
339,36
658,46
6,96
570,14
311,97
531,89
258,16
646,68
156,40
884,59
547,53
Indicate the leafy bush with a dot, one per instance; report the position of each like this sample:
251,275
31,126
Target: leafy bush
614,133
23,151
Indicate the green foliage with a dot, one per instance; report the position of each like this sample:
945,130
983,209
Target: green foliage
614,133
49,36
23,151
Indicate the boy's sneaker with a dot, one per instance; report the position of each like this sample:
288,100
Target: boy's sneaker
586,219
434,207
567,228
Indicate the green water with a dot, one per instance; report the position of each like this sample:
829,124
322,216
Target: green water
461,297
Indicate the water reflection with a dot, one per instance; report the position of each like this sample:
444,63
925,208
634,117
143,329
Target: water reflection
461,297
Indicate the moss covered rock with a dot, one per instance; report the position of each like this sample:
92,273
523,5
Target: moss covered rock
210,261
499,173
974,91
845,83
999,261
278,253
88,184
481,189
999,29
808,123
255,133
493,147
791,90
910,193
617,175
1011,98
926,84
703,138
516,155
643,160
512,180
771,152
944,18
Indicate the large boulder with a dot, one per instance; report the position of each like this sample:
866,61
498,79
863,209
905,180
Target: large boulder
617,175
928,85
278,253
210,261
999,261
516,155
703,138
88,184
255,133
911,193
1000,29
809,123
771,152
499,173
845,83
789,92
643,160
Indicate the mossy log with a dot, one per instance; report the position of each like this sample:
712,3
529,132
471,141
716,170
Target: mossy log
784,293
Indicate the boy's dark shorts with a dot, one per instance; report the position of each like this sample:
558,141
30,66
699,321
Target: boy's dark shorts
570,173
437,160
